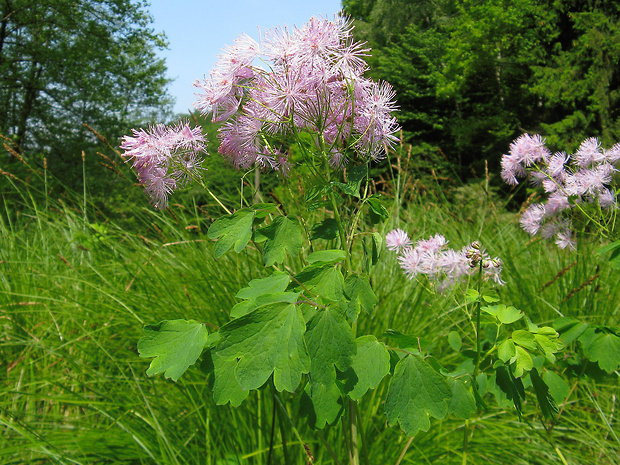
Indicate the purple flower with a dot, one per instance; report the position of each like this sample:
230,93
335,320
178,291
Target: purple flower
442,266
164,157
312,83
397,240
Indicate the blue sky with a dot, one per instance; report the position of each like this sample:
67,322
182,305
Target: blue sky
198,30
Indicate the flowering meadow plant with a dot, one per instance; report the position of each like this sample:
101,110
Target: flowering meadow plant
578,186
298,102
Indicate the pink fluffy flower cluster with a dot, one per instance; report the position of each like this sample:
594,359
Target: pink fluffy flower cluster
569,180
441,265
165,158
310,79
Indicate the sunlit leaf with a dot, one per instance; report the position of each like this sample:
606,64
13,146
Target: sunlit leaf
281,236
370,364
232,230
416,392
267,341
175,344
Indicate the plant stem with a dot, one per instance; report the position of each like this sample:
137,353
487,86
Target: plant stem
477,312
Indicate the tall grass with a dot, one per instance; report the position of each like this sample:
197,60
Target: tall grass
76,288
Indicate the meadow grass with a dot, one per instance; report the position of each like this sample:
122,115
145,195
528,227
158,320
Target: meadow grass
77,287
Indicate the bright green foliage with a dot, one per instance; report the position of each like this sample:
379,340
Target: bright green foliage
416,392
324,279
327,256
267,341
222,380
232,230
371,363
546,402
283,234
603,347
354,181
175,344
331,346
462,403
504,315
358,290
558,388
262,292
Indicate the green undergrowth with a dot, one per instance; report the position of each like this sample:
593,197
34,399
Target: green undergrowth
76,288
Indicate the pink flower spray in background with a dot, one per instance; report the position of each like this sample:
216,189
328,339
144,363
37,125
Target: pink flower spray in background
443,266
570,181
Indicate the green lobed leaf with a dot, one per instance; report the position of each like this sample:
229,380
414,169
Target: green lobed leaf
569,328
320,278
546,402
360,294
327,256
506,350
512,387
331,345
326,229
472,295
282,235
602,346
354,180
260,292
462,404
222,380
522,361
558,388
371,363
548,342
505,315
175,344
377,207
232,230
267,341
524,339
416,392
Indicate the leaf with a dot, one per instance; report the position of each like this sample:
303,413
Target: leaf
506,350
416,392
331,345
354,180
490,297
232,230
377,208
548,342
523,361
524,339
462,404
360,294
558,388
472,295
371,363
614,258
505,315
175,344
512,387
326,229
222,380
569,328
546,402
263,291
602,347
455,341
323,279
283,234
267,341
327,256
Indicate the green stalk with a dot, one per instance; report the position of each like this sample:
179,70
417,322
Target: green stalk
477,312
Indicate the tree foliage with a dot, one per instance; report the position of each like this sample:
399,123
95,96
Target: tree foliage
64,63
471,76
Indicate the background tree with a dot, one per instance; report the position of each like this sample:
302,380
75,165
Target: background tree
64,63
471,76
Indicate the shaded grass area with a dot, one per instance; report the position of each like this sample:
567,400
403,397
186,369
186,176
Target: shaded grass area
76,289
